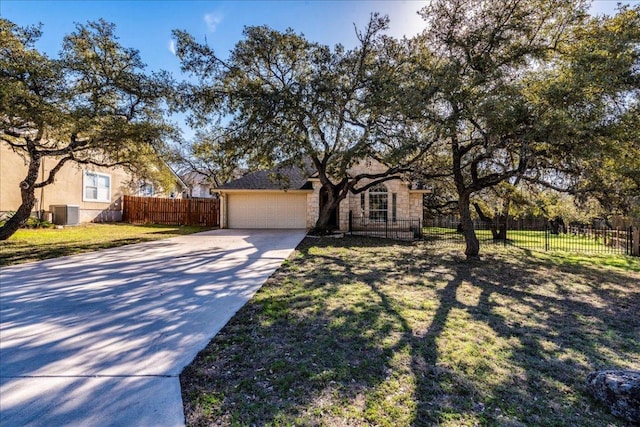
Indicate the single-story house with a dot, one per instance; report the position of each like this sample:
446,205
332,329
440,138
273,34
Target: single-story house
258,200
80,193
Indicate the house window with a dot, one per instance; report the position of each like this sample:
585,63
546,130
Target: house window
96,187
146,190
394,207
362,203
378,202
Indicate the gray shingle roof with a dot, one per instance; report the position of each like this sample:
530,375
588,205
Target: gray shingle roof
290,177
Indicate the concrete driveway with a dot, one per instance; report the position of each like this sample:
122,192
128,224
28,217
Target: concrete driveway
99,339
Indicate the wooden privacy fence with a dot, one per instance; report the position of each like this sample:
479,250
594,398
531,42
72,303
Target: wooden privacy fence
155,210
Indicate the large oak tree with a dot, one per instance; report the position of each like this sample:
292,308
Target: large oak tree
507,84
94,104
589,102
281,99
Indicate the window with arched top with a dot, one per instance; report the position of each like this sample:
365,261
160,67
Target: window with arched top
378,202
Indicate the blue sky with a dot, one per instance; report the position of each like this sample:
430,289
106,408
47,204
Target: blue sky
146,24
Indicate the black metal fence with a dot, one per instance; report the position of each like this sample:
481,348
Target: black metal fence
530,233
535,235
399,229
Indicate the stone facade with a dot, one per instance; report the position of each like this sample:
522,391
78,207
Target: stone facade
406,203
313,205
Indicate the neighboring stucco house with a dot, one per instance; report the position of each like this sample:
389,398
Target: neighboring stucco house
199,185
258,200
92,193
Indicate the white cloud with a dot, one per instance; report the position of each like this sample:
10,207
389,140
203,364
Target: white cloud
212,20
172,47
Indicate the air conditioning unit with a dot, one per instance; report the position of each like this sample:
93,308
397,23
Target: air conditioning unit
65,214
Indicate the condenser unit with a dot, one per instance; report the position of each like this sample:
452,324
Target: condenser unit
65,214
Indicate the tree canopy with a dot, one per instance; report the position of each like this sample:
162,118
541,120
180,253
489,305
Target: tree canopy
94,104
522,91
592,100
280,99
493,97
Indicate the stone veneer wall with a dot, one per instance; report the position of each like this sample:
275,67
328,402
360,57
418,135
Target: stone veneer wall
408,205
343,214
313,205
416,207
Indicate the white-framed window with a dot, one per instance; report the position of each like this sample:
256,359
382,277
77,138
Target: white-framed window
146,190
378,203
96,187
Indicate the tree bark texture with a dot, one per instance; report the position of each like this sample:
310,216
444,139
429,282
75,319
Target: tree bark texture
497,224
472,249
330,199
27,193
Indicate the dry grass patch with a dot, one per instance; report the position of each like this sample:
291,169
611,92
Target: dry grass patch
366,332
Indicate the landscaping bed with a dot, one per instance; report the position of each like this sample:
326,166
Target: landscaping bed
359,331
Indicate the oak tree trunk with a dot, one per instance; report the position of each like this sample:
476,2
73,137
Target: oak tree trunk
328,204
324,217
472,249
27,193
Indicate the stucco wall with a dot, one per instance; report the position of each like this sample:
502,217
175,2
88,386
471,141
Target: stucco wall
66,190
201,190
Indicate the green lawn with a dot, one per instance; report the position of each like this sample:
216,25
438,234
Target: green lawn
36,244
363,332
533,240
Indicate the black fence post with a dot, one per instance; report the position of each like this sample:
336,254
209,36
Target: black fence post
351,222
546,238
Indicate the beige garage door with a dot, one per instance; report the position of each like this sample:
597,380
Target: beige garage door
271,210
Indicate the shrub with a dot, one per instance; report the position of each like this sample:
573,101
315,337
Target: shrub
34,222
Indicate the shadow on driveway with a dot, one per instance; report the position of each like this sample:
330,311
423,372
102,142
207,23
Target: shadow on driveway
100,338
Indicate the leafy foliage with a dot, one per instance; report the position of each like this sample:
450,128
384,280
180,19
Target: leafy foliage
92,105
280,99
525,92
589,101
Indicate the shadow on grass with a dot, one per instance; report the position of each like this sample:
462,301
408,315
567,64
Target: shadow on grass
95,238
18,253
364,331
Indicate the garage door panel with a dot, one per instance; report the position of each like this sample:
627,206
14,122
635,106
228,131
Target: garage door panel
271,210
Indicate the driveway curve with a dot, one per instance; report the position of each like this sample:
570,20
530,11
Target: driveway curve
99,339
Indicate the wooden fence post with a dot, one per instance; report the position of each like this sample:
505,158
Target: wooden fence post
635,241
